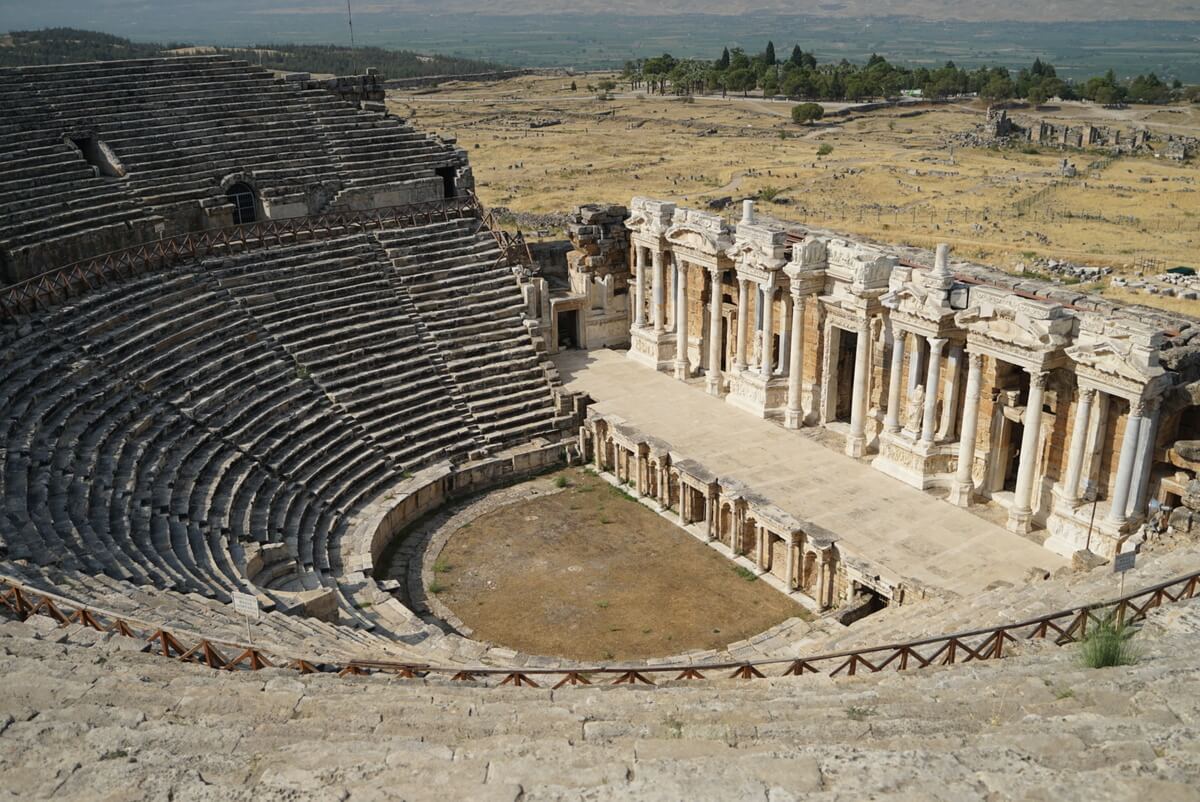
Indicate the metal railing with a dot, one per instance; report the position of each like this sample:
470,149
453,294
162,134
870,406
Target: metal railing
991,643
58,285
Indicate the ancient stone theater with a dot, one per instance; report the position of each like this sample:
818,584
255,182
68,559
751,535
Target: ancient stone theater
263,353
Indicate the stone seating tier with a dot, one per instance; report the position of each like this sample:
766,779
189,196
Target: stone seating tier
152,430
180,127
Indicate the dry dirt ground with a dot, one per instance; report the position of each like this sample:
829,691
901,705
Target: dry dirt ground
891,174
590,574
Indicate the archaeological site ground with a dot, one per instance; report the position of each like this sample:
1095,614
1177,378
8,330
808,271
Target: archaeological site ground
503,441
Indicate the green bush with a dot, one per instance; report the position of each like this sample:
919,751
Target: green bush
560,481
1107,643
825,149
804,113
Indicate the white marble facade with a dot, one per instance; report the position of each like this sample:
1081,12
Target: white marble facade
942,381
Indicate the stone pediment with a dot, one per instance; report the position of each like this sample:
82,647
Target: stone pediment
1124,353
695,239
1012,330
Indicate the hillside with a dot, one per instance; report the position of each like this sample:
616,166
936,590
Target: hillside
61,45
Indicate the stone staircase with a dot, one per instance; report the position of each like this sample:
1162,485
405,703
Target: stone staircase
83,716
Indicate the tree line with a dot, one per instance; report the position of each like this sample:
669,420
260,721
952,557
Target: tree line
801,76
61,45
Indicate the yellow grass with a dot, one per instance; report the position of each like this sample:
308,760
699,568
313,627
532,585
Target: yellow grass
890,176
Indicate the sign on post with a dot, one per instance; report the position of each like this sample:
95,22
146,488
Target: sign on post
246,604
1124,561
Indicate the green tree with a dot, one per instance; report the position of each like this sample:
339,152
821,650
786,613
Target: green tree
769,56
805,113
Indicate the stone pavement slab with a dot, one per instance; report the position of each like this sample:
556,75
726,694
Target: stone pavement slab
875,516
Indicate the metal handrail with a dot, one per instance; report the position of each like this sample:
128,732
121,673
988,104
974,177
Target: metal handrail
1063,626
86,274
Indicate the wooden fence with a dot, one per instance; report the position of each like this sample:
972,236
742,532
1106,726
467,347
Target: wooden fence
991,643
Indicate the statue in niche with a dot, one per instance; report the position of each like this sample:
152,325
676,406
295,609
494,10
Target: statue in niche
915,412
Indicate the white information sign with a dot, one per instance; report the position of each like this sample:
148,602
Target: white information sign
1124,561
246,604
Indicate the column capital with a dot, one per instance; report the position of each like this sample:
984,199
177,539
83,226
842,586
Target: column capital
864,324
1037,377
937,343
1087,394
976,360
715,271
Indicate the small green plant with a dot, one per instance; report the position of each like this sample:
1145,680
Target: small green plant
436,587
745,573
604,519
859,713
768,193
1030,151
301,372
673,726
442,567
114,754
561,481
608,655
825,149
1107,644
1064,693
603,605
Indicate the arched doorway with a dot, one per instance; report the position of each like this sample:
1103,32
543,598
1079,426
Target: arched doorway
245,203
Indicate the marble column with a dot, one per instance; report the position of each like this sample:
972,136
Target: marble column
1144,461
950,396
761,547
1022,509
856,444
914,362
794,415
929,421
892,421
963,489
713,377
768,356
790,569
639,300
681,321
1128,457
1079,432
742,322
659,302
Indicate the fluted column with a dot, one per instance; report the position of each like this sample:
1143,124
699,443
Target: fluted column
963,489
639,300
742,322
794,416
768,356
1083,412
929,421
1129,444
1022,509
713,378
1144,461
857,442
681,321
892,421
660,293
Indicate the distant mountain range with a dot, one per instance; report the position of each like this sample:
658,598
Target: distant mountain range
960,10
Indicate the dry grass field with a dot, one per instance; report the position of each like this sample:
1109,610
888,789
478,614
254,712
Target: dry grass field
590,574
891,174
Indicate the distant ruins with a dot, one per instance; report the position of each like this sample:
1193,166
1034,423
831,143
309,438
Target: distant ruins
1000,127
